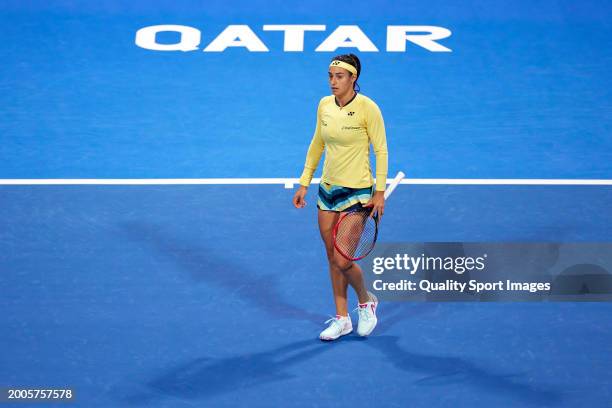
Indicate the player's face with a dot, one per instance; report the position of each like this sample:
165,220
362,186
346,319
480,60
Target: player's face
341,81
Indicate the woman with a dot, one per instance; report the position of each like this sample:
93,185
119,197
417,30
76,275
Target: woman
347,123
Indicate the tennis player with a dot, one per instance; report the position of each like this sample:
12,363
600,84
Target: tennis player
347,123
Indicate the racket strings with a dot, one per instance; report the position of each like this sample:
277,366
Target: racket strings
356,234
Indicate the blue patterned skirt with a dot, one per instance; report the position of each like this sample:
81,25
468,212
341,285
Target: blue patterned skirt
338,198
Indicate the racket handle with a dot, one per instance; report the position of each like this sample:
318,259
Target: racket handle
394,183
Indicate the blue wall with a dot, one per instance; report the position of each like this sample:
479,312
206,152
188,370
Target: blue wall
524,93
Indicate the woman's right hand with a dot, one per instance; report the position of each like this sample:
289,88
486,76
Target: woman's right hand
299,200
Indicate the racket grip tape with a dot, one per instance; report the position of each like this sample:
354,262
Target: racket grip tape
394,183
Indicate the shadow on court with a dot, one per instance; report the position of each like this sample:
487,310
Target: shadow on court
205,378
206,267
208,377
441,371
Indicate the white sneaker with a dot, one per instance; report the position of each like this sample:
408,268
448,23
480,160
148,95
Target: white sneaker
367,316
338,326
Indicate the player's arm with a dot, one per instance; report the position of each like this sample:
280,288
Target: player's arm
315,151
378,138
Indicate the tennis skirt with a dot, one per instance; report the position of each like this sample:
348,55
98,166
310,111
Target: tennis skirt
338,198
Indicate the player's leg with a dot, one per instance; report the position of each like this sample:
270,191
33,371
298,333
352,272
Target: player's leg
343,271
341,324
368,303
327,221
351,270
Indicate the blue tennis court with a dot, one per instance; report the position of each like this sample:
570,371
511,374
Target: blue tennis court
213,294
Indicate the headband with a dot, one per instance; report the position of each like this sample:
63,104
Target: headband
342,64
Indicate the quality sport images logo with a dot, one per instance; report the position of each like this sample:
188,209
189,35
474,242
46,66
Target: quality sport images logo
344,36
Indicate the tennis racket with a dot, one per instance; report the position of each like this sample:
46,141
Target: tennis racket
356,232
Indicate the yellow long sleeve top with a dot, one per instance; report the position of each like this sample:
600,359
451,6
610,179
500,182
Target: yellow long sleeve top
345,134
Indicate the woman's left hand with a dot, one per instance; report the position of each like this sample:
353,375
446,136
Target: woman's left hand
377,202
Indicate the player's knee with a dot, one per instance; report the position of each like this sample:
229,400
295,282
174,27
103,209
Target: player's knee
342,264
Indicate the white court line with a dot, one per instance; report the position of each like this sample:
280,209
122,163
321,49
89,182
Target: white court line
290,182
